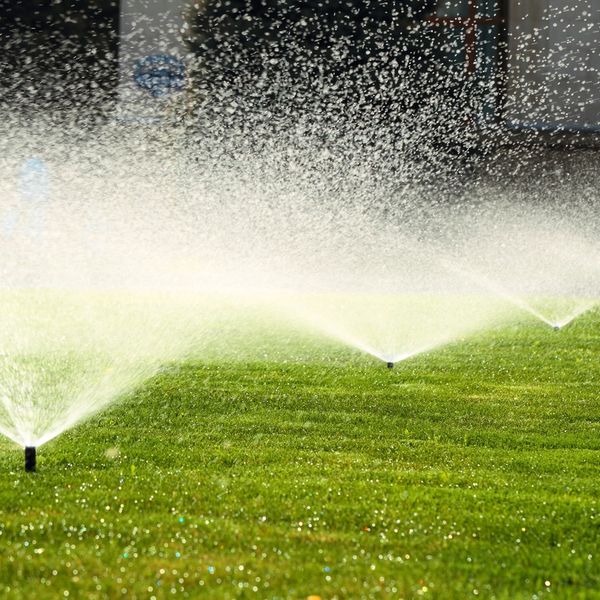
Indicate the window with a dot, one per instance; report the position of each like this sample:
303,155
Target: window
466,35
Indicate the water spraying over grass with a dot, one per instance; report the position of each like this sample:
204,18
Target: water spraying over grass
340,179
56,371
394,276
396,327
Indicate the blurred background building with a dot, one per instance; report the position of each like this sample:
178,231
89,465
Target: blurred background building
519,64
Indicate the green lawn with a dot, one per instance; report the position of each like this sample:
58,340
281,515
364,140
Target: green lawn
470,471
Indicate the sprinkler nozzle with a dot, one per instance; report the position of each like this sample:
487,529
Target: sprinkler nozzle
30,459
556,327
390,365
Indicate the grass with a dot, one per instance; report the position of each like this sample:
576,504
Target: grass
472,471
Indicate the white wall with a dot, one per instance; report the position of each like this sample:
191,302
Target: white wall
554,63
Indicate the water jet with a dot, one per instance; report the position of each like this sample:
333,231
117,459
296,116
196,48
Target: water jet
30,458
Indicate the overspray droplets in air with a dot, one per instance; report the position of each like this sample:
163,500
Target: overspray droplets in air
350,167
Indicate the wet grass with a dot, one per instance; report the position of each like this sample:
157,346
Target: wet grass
471,471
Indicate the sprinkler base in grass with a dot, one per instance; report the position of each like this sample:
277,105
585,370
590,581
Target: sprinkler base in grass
390,365
30,458
556,327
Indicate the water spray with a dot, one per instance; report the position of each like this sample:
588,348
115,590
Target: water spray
30,458
34,187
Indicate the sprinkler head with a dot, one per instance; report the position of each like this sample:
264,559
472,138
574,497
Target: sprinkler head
556,327
30,459
390,365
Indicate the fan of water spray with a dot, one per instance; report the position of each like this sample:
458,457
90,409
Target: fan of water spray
65,355
542,263
397,308
88,309
395,327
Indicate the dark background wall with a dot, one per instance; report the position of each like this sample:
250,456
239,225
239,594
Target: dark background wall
58,52
65,52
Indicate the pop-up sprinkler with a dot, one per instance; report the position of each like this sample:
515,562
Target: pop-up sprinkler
30,459
390,365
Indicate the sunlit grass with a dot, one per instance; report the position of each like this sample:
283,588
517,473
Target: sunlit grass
468,471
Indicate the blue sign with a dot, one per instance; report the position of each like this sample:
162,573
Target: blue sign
160,74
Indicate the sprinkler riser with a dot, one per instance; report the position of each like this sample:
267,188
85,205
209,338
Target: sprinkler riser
30,459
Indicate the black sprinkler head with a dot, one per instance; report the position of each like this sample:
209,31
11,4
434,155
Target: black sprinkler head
390,365
30,459
556,327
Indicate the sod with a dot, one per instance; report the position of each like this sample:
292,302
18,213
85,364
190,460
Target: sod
468,471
